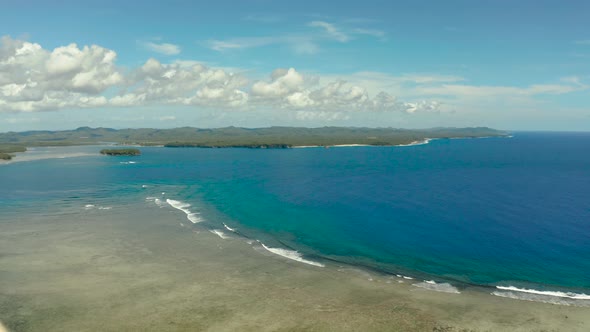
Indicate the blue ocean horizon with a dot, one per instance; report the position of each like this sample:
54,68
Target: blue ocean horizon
494,212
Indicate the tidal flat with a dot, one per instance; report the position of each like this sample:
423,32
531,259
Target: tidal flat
146,269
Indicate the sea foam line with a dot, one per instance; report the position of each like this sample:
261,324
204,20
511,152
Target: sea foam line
347,145
92,206
438,287
291,254
569,295
182,206
414,143
405,277
219,233
542,298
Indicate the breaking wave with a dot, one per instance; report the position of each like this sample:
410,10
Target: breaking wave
219,233
437,287
182,206
229,228
291,254
96,207
554,297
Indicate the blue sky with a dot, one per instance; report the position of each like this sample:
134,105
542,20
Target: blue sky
517,65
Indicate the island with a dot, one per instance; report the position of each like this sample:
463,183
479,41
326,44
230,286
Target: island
236,137
120,152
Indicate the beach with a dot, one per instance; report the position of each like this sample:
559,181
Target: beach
148,268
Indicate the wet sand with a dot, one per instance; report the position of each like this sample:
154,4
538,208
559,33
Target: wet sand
140,270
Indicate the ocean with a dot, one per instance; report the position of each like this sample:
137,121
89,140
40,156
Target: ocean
509,216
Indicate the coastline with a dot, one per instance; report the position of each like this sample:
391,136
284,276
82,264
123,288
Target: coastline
112,272
533,292
32,154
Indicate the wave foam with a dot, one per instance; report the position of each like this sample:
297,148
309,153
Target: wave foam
544,298
291,254
229,228
347,145
92,206
437,287
569,295
182,206
414,143
219,233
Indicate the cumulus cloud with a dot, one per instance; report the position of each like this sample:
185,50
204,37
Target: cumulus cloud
288,88
175,83
35,79
68,77
283,82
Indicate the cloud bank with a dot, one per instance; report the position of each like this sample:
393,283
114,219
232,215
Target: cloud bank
36,79
72,77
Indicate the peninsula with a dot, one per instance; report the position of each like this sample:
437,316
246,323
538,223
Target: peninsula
271,137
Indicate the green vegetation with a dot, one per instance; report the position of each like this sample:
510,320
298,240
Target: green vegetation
120,152
6,150
272,137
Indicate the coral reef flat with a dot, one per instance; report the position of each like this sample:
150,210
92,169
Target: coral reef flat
127,269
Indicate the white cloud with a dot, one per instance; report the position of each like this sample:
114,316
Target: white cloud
72,77
162,48
241,43
370,32
299,43
321,115
473,91
290,89
331,30
35,79
283,82
166,118
222,45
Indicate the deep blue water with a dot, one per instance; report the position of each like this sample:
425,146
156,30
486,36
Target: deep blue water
493,211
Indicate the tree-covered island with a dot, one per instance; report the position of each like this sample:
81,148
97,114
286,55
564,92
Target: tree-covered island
120,152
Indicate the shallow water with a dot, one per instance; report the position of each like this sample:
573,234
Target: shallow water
146,267
491,212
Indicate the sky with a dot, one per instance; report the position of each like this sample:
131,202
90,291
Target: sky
514,65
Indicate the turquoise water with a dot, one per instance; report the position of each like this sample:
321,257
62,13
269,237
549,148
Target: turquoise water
488,212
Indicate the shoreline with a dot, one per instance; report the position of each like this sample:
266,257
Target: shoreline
17,156
550,294
109,270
